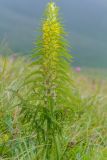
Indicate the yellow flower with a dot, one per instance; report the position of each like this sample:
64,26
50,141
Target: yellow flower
5,137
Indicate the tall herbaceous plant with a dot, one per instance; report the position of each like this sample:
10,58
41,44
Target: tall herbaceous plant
52,88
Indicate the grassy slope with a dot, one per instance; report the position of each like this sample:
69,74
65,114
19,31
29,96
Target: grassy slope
87,133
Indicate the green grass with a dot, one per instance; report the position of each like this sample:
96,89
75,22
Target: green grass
85,128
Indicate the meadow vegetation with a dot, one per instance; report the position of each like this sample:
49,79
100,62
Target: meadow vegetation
47,111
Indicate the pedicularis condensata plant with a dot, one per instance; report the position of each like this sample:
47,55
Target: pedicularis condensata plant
52,82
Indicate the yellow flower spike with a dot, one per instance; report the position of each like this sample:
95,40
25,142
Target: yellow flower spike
51,29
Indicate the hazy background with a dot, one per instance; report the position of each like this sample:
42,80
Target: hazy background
85,20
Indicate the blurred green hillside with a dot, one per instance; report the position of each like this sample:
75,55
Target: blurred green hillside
84,20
